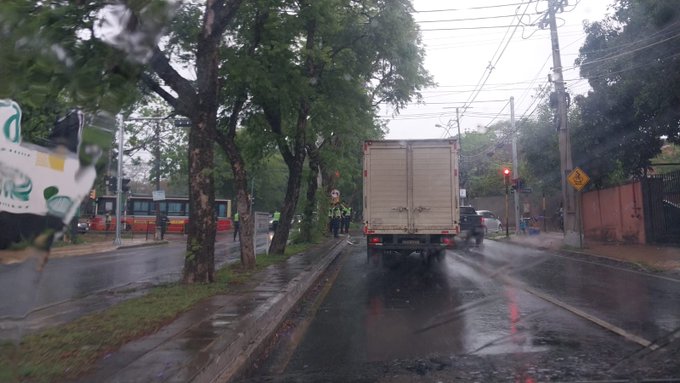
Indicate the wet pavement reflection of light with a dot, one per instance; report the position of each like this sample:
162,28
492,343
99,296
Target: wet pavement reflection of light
640,303
456,319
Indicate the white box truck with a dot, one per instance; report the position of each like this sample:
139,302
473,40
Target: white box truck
411,194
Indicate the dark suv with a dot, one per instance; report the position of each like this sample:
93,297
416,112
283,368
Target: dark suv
471,224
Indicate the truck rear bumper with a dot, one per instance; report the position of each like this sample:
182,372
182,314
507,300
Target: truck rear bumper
410,242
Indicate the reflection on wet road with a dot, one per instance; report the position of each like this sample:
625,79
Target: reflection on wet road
23,289
460,319
643,304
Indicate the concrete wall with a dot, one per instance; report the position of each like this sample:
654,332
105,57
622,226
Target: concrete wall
614,214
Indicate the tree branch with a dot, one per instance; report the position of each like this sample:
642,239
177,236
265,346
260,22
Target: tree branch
156,88
225,13
186,94
233,118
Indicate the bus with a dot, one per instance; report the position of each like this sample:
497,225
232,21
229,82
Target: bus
139,214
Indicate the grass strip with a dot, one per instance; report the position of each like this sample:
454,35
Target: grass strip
68,350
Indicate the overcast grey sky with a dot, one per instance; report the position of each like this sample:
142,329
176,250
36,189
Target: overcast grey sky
458,58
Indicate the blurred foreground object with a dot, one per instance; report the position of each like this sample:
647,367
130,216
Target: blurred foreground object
41,188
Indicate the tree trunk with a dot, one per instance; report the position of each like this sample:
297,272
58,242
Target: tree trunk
278,245
295,164
199,262
308,226
246,220
247,230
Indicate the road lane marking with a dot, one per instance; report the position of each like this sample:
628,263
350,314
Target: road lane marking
580,313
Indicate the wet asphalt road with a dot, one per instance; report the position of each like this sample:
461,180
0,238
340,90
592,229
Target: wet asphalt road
22,289
477,316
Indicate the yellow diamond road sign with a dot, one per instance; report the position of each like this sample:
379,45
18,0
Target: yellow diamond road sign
578,179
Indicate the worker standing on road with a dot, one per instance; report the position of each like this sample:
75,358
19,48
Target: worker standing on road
275,221
237,226
337,219
346,218
164,225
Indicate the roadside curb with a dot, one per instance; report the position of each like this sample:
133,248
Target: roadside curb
603,259
226,359
154,243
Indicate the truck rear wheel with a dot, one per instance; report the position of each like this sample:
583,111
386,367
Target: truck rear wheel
479,239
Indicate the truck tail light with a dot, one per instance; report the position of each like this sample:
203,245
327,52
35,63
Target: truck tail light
446,240
375,239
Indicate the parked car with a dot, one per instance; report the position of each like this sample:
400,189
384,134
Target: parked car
490,221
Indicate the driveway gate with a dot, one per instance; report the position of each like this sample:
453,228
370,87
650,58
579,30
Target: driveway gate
662,207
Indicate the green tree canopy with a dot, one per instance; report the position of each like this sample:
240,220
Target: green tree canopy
631,61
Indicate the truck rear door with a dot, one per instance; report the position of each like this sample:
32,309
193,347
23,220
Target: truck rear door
387,167
434,187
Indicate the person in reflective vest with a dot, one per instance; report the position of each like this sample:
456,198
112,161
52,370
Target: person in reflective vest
346,218
275,220
237,226
330,219
337,219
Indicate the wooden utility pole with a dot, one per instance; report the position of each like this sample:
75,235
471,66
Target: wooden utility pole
460,149
571,236
515,163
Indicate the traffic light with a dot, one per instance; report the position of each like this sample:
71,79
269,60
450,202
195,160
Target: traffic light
126,186
506,176
519,184
111,184
93,194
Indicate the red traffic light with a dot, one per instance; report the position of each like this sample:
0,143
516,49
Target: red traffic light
506,171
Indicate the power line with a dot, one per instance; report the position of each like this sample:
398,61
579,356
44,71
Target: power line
662,31
528,89
477,43
461,102
465,19
467,28
609,74
470,8
496,116
608,58
501,140
491,66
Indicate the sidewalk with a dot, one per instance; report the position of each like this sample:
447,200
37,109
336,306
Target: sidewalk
215,338
654,257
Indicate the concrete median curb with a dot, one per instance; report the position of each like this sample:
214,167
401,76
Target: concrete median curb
136,245
226,359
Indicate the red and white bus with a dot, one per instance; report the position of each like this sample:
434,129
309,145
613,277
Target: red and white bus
139,214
